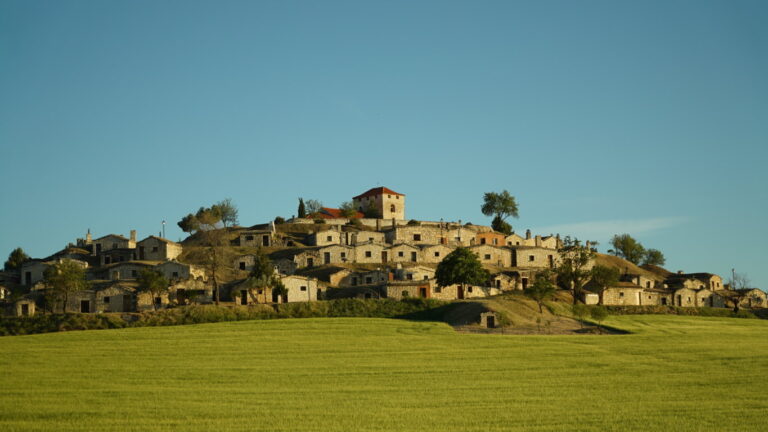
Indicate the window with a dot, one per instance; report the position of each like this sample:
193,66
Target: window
392,208
158,300
389,196
438,289
469,289
303,288
249,238
409,276
517,244
368,280
368,254
343,255
487,256
175,274
401,253
496,242
482,241
154,248
133,273
417,237
370,239
437,254
354,281
242,265
329,238
621,294
426,277
404,294
531,258
106,300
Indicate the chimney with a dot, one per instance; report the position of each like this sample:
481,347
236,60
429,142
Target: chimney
88,237
133,236
527,234
378,224
537,241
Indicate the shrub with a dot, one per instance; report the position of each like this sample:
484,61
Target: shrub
279,220
414,222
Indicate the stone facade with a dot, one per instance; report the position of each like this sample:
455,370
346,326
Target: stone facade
370,253
325,238
256,238
418,235
113,241
155,248
434,253
492,255
300,289
490,238
533,257
416,273
403,253
385,203
174,271
622,294
336,254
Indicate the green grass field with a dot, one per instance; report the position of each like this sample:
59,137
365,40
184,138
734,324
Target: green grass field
352,374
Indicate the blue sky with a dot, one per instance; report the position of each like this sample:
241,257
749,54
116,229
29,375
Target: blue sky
601,117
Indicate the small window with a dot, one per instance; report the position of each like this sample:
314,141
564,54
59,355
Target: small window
158,300
409,276
392,208
261,291
482,241
417,237
303,288
343,255
368,280
469,289
487,256
368,254
329,238
249,238
496,241
404,294
426,277
517,244
154,248
437,254
438,289
354,281
114,245
370,239
401,253
242,265
531,258
106,300
175,274
621,294
133,273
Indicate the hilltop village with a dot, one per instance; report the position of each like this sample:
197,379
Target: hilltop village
376,252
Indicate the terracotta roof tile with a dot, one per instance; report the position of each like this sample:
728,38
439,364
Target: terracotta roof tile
377,191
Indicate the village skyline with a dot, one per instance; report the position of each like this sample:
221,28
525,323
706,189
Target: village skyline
113,121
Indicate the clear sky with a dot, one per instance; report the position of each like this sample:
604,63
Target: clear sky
601,117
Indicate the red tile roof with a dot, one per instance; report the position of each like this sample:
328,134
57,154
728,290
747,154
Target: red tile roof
332,213
377,191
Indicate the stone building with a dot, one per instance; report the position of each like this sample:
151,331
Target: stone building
256,237
325,238
490,238
360,237
155,248
300,289
383,202
399,290
415,273
505,281
370,253
434,253
112,256
695,281
25,307
371,277
622,294
113,241
492,255
403,253
174,271
514,240
418,235
533,257
33,271
684,297
336,254
121,271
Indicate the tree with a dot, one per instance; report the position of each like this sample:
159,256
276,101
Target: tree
541,289
501,205
302,211
499,225
603,277
263,275
152,282
15,259
599,314
654,257
628,248
189,223
217,257
227,212
314,206
580,311
63,278
573,267
738,283
461,267
348,209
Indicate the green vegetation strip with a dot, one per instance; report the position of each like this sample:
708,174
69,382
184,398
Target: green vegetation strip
360,374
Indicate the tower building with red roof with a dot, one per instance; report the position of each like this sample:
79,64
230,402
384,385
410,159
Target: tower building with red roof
383,202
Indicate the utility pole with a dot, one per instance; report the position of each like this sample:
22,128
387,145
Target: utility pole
163,228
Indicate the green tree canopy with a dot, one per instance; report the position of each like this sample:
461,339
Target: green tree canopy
541,289
628,248
461,267
152,282
314,206
227,211
654,257
500,205
348,209
499,225
603,276
62,279
15,259
573,267
263,274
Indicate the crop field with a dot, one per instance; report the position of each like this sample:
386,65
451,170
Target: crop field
354,374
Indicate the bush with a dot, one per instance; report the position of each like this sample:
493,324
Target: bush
414,222
279,220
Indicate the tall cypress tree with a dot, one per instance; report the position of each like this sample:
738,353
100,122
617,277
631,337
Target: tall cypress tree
302,209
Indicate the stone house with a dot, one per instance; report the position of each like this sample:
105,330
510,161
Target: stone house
434,253
457,292
336,254
256,238
533,257
399,290
325,238
155,248
752,298
147,302
300,289
284,266
644,280
418,235
383,202
514,240
174,271
622,294
360,237
684,297
492,255
115,298
403,252
368,277
113,241
695,281
112,256
307,258
25,307
492,238
415,273
33,271
370,253
709,298
121,271
505,281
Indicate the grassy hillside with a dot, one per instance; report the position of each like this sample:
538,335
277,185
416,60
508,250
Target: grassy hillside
674,373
